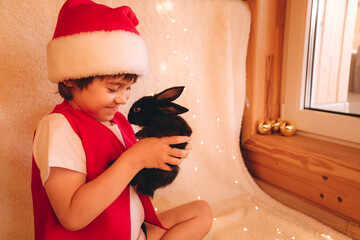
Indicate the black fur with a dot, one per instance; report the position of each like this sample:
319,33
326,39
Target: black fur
159,117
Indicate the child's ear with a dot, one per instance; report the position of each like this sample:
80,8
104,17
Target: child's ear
68,83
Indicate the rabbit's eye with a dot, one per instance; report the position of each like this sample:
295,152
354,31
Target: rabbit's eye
137,109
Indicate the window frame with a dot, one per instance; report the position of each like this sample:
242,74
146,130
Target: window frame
328,126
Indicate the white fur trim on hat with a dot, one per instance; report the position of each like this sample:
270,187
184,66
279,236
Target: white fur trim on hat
96,53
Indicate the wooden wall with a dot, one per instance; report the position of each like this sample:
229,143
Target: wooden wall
264,63
334,40
356,42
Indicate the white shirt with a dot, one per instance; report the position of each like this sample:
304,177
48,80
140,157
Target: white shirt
57,145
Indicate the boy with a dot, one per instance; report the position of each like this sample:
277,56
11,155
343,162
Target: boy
95,56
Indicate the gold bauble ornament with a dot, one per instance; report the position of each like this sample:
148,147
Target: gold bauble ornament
287,128
264,127
276,125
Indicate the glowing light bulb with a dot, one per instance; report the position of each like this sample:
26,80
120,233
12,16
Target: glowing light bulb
163,67
164,6
185,30
256,207
167,36
245,229
234,157
202,142
199,197
196,168
174,51
192,74
198,101
194,116
172,20
159,7
236,181
214,219
168,5
155,209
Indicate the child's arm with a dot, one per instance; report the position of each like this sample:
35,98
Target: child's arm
77,203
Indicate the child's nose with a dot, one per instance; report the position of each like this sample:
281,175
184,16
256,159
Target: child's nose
121,98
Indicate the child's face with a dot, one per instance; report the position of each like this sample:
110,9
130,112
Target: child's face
102,98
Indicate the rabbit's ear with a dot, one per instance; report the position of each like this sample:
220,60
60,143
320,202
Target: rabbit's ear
173,109
170,94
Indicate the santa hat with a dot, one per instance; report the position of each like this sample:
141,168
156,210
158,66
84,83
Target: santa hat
91,39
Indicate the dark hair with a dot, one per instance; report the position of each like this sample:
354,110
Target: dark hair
82,83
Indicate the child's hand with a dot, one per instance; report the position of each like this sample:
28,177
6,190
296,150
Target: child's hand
156,152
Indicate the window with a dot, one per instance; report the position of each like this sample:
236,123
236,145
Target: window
297,42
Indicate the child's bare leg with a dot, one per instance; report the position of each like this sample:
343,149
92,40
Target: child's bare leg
189,221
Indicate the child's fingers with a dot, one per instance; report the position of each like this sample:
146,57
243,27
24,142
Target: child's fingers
165,167
174,161
176,139
179,153
159,151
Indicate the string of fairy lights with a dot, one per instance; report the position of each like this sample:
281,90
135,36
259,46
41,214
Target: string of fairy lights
165,9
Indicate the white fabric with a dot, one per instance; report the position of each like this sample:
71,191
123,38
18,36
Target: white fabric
115,129
57,145
137,216
96,53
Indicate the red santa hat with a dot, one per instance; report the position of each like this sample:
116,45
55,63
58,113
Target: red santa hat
91,39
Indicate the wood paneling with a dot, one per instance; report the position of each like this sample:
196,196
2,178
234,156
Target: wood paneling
309,168
356,42
334,38
324,215
264,63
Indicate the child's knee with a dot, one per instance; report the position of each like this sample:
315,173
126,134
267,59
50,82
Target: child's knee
203,207
204,212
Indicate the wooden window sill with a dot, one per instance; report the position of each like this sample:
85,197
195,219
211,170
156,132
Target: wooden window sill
323,173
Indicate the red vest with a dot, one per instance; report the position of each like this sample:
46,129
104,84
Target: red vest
101,146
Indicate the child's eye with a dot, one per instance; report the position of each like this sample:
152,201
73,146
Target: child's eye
112,90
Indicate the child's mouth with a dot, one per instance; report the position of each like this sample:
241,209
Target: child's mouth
113,108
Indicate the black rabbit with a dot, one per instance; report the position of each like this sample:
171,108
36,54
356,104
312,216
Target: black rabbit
159,117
